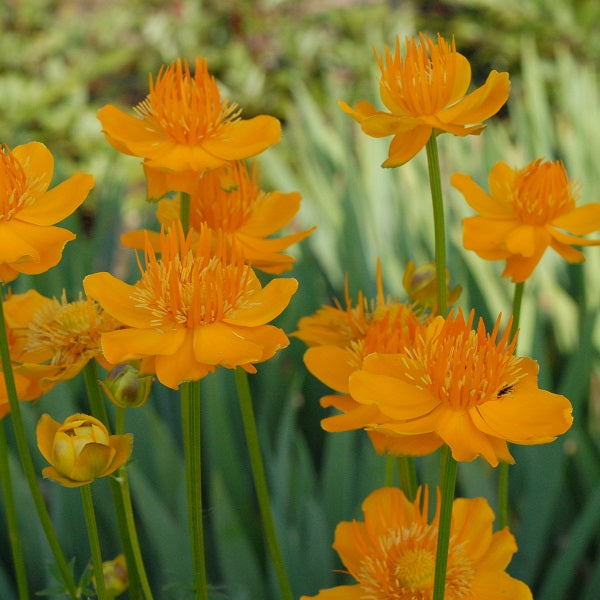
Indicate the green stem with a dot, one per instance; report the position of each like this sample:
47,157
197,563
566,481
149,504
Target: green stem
260,481
389,471
190,420
11,517
407,476
117,484
503,469
449,471
433,164
123,483
184,211
92,529
27,462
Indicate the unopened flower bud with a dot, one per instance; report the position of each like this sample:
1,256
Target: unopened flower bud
125,387
420,285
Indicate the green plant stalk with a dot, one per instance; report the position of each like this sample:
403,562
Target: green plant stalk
388,480
92,529
184,211
190,421
260,481
119,488
11,518
433,164
408,477
449,471
27,461
503,468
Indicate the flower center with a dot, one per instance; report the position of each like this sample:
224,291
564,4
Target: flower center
187,108
15,189
69,331
423,82
542,192
225,200
462,367
192,288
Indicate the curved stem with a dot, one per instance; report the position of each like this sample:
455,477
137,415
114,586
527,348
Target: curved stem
433,164
11,518
407,476
260,481
190,421
503,468
27,462
449,471
92,529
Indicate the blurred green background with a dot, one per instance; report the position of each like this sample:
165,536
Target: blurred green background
61,60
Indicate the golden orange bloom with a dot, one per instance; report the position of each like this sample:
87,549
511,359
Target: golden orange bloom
391,554
29,241
184,125
229,200
464,385
80,450
340,340
56,338
526,211
424,93
192,310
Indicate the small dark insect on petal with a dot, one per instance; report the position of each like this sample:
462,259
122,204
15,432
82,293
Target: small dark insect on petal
505,390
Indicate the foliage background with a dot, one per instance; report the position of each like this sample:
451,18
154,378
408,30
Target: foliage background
61,60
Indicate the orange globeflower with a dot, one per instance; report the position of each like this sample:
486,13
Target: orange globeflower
392,553
465,386
56,338
340,339
192,310
229,200
80,450
184,124
526,211
425,94
29,241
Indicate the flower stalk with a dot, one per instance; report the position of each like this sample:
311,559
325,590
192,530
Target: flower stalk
27,462
260,481
11,518
92,529
407,476
191,426
433,164
449,471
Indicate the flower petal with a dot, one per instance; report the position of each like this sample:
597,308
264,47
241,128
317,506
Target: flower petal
332,365
264,305
116,298
486,237
472,525
58,203
421,444
500,552
406,145
52,473
181,365
479,200
462,78
130,344
495,585
14,248
45,431
480,104
581,220
92,461
219,344
528,240
38,163
123,445
272,212
356,418
564,238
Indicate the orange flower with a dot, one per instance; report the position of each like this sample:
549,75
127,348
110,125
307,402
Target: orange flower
80,450
56,338
425,93
392,553
340,339
192,310
229,200
184,124
465,386
29,242
526,211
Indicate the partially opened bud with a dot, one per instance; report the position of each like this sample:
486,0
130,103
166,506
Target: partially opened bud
420,285
116,578
125,387
80,450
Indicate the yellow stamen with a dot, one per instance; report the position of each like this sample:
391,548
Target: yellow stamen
16,192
